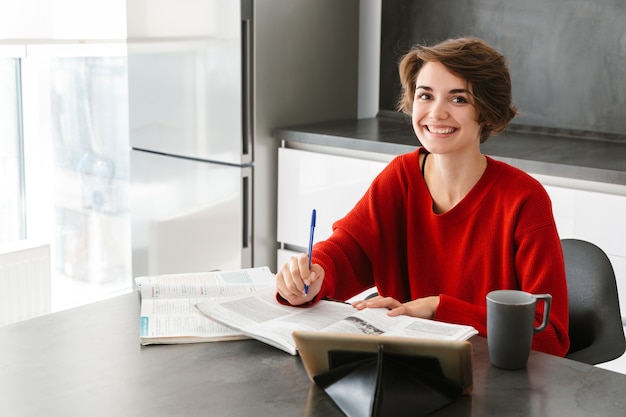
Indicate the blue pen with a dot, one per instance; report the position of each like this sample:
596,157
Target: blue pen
310,253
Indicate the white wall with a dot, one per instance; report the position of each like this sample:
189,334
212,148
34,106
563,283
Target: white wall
62,19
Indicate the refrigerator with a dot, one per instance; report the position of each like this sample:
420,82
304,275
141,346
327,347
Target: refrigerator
208,81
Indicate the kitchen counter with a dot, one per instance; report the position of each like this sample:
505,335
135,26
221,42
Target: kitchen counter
559,156
88,361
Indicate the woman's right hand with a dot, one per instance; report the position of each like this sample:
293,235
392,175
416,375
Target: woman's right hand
424,308
294,275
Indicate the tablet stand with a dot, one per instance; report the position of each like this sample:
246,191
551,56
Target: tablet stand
378,384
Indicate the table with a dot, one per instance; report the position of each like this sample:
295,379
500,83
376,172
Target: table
87,361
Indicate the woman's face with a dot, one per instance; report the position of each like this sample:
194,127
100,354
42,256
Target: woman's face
444,117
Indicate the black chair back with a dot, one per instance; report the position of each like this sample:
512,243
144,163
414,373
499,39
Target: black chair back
595,325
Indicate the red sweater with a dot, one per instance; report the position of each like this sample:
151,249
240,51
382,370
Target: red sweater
502,235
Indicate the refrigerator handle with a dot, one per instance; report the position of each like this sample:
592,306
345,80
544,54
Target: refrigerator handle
246,81
246,221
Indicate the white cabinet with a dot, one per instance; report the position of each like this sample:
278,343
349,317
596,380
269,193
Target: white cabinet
593,216
329,183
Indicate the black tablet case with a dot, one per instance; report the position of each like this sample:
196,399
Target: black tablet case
364,384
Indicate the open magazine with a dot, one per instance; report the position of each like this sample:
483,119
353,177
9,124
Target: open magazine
167,304
259,316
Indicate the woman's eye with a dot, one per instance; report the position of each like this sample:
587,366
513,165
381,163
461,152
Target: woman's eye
422,96
459,100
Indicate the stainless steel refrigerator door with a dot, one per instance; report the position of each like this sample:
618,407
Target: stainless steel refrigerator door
188,95
188,216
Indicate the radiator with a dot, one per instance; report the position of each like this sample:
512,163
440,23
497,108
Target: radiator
25,288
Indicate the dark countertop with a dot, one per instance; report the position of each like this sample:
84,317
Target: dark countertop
566,157
88,361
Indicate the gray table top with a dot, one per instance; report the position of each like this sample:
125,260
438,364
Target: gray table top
88,362
568,157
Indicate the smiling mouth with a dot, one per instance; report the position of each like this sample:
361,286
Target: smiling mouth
440,130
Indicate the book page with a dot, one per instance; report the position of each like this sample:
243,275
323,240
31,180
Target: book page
260,316
168,314
173,320
205,284
376,321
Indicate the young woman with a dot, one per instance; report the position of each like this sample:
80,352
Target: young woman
441,227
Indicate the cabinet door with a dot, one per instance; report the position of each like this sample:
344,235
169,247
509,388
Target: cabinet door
187,215
600,218
331,184
589,215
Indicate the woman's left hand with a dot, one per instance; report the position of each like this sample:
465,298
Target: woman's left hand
422,307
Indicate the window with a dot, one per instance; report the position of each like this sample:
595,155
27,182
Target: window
12,220
64,170
77,165
64,163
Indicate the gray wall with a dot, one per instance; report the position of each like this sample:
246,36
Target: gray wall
369,57
567,57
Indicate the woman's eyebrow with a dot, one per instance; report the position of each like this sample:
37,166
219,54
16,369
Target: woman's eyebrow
453,91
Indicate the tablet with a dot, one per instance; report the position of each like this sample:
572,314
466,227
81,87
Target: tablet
455,357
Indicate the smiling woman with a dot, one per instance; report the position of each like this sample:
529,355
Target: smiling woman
434,244
456,101
482,75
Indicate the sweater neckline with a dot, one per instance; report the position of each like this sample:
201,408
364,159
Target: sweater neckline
474,197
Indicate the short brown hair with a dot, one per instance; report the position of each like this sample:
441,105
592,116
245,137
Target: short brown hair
475,61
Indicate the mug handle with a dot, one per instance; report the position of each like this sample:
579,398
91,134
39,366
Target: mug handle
547,302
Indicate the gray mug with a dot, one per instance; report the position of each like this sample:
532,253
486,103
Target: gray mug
511,326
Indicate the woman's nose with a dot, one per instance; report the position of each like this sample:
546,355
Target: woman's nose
439,110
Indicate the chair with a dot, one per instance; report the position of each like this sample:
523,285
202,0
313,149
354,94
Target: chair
596,331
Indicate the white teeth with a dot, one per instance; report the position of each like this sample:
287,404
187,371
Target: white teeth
441,131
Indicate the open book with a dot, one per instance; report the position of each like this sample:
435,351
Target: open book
261,317
167,304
